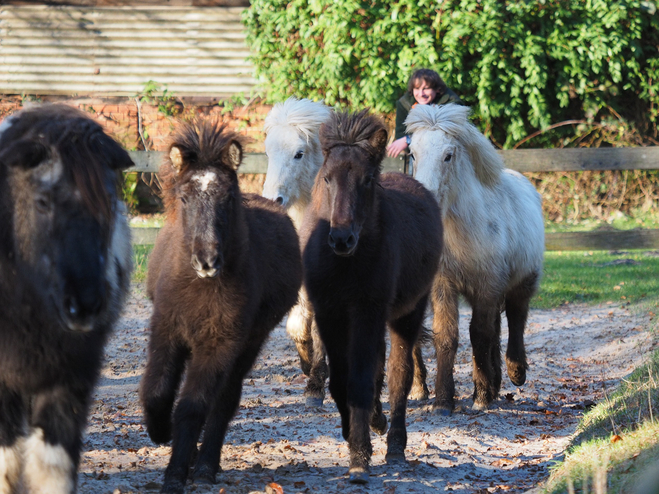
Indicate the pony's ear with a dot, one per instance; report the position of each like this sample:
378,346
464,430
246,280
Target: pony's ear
24,153
233,154
378,140
116,157
176,157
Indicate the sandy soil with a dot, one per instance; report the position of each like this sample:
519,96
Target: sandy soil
275,444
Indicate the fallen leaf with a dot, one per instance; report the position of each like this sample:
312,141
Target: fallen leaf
616,438
274,488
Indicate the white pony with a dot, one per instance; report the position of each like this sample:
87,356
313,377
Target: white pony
493,247
294,158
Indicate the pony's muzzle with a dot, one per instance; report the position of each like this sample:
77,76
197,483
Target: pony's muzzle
206,264
343,241
80,311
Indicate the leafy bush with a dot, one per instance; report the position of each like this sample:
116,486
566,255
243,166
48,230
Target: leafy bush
523,66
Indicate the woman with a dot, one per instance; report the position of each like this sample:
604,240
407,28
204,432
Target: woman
425,87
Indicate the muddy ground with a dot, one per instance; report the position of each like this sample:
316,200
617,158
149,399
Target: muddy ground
275,444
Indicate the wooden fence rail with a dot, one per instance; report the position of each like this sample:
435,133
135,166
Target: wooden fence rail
523,160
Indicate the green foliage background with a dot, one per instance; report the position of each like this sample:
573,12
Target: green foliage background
522,65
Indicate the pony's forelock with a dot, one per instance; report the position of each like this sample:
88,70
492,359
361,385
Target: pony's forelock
353,129
304,115
453,120
84,149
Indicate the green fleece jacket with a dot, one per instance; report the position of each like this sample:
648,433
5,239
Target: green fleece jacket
405,103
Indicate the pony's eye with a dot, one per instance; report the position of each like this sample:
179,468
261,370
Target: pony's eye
43,205
326,180
298,155
183,200
368,181
448,157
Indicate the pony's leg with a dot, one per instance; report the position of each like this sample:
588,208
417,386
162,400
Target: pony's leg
517,310
224,408
378,419
419,389
366,339
206,375
160,383
445,338
298,327
12,439
404,333
315,389
333,330
52,450
486,347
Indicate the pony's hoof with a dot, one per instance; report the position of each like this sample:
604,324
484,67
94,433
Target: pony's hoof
419,393
313,402
394,458
517,374
173,486
443,410
358,476
480,406
203,475
379,424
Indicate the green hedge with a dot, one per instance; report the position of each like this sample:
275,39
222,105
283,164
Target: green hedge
522,65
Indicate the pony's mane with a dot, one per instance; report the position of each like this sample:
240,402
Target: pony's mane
453,120
304,115
203,143
85,150
352,129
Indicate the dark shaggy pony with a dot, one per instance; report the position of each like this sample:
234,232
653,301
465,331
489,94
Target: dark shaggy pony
65,263
371,247
224,271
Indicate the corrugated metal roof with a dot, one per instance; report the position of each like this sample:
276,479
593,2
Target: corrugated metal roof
116,50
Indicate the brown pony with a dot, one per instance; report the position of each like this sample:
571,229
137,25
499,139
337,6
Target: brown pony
371,247
224,271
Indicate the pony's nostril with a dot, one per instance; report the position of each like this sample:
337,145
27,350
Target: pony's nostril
279,200
196,263
71,307
351,241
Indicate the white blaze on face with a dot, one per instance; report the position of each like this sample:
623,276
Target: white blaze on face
50,172
48,468
205,179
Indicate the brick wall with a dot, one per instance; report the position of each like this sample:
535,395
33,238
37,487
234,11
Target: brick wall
121,118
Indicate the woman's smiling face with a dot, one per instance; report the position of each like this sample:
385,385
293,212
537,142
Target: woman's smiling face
423,94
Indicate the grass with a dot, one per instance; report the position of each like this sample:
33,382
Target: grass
598,277
140,262
616,446
618,220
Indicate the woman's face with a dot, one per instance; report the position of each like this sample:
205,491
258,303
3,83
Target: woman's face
423,94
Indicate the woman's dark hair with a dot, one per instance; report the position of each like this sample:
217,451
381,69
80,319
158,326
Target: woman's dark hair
428,76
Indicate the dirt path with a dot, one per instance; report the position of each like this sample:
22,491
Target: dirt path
573,352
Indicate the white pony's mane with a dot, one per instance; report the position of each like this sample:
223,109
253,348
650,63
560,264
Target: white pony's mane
453,120
305,115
